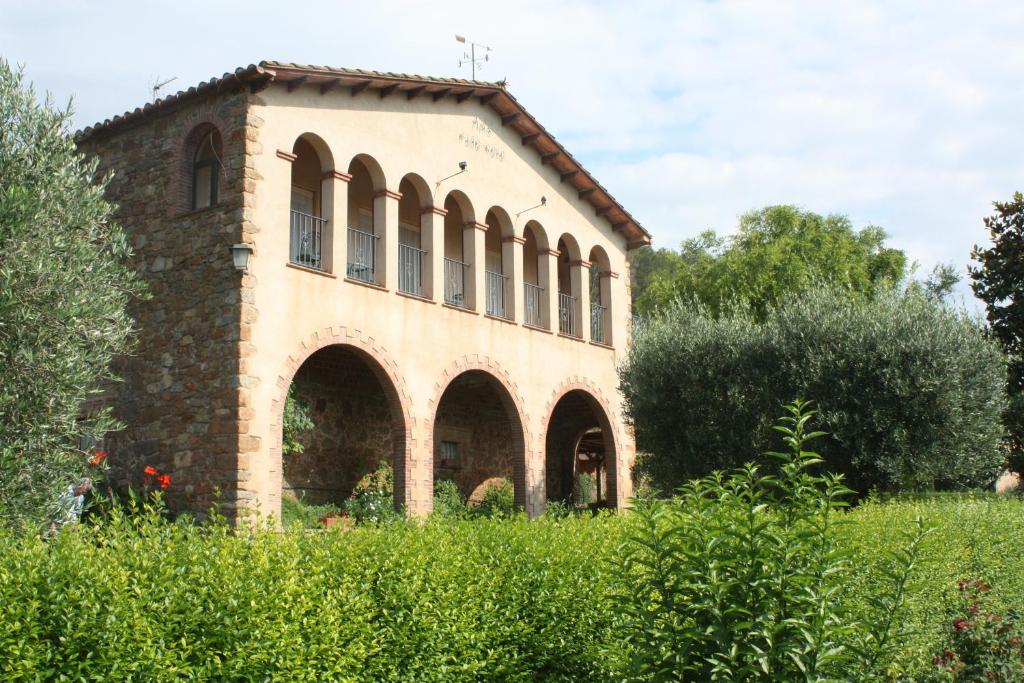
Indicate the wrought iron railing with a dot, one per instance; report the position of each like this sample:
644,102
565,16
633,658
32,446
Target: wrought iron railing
567,322
455,282
362,251
533,298
496,294
410,269
597,314
307,239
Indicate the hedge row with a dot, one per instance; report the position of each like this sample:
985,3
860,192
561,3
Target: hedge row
508,600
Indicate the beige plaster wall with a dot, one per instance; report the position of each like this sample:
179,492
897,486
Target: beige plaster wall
423,344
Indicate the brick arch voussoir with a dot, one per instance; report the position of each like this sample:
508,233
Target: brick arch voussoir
396,391
204,114
594,391
504,378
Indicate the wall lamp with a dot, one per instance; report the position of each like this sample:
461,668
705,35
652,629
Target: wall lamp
543,202
463,167
240,254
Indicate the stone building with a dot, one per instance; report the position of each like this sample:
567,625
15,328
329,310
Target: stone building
418,259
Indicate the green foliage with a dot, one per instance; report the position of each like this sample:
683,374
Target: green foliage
998,280
149,600
777,251
498,501
373,500
305,515
586,487
911,390
296,422
448,500
65,283
741,577
976,535
983,645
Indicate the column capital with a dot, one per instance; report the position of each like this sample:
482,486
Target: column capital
436,210
390,194
514,238
469,225
550,252
580,262
337,175
608,273
287,156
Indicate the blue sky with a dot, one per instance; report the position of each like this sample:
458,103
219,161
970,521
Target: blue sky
906,115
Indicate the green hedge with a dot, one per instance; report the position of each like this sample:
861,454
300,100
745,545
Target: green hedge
502,600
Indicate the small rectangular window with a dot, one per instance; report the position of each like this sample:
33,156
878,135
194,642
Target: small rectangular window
451,455
204,186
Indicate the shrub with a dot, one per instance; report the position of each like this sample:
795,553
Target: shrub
373,500
911,391
586,487
65,283
305,515
295,423
448,500
740,578
497,501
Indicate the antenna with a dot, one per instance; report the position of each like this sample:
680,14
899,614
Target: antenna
158,85
470,57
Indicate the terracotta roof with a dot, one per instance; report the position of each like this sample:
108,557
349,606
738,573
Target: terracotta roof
494,95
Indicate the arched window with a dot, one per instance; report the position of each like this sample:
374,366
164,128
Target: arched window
206,167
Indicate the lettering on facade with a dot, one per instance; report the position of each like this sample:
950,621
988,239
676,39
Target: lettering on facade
482,139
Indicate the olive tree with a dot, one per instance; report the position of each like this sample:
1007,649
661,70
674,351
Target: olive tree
64,286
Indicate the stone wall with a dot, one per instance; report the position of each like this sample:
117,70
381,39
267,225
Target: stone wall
180,396
353,427
471,414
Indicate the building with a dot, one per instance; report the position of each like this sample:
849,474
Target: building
439,280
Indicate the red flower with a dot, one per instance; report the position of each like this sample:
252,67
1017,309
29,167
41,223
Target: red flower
150,471
97,458
961,624
164,480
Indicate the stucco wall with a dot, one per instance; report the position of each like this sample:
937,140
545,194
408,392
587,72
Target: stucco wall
421,345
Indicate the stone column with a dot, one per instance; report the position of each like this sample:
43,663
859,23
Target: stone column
334,194
474,250
385,226
432,225
512,260
548,277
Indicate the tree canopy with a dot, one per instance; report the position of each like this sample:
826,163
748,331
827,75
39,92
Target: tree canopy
998,280
64,287
777,250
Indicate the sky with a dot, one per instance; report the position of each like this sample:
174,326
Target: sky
904,115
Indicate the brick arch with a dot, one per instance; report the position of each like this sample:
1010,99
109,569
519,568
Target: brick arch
606,421
515,409
197,122
393,384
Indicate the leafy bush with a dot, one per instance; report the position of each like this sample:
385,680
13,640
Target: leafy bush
296,422
146,599
305,515
911,391
65,283
740,578
498,501
448,500
373,500
586,486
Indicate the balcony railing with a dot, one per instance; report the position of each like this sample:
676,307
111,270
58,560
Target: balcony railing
455,282
362,251
307,239
495,294
533,297
410,269
567,323
597,313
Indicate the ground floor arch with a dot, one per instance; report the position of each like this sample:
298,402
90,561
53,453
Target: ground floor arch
478,436
580,455
356,421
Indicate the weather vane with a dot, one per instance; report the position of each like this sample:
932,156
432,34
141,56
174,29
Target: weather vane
470,57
